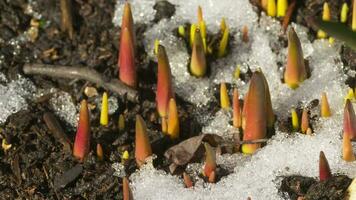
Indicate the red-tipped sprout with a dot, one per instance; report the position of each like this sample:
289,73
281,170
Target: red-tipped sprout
257,112
164,82
127,68
142,144
349,120
295,72
210,163
81,146
324,169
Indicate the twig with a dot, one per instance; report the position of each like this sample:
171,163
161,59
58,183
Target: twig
83,73
67,17
288,15
57,130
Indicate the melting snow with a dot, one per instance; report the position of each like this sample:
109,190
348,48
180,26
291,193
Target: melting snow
256,176
14,95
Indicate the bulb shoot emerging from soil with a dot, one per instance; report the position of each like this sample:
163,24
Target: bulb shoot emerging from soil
164,82
349,120
142,144
295,72
127,68
347,152
257,112
104,115
326,17
198,66
210,163
324,169
305,121
344,12
224,97
173,120
271,8
282,6
82,139
187,180
325,108
295,120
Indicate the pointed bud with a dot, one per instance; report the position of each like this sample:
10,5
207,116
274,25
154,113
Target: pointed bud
222,25
224,97
99,152
350,95
198,60
305,121
237,72
347,152
271,8
181,31
353,26
295,72
282,6
5,146
126,189
82,138
127,59
104,115
164,82
187,180
236,110
245,37
324,169
295,120
210,160
325,108
142,145
326,17
344,12
223,43
156,46
349,120
254,119
173,120
121,122
127,21
125,155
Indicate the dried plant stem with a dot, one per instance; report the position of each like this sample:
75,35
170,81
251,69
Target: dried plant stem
67,17
83,73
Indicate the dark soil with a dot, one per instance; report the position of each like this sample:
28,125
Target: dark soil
37,166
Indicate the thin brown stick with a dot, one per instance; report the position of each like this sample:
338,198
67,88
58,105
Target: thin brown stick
83,73
67,17
288,15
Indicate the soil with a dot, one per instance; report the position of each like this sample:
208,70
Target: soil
37,166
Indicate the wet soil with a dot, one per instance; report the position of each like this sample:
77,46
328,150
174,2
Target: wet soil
38,166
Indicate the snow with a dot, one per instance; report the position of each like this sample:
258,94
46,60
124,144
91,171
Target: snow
14,95
256,176
64,107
